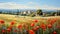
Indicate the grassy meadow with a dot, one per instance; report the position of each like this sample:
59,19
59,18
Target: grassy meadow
33,23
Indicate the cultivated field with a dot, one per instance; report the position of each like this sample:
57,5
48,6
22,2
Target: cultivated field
9,18
30,25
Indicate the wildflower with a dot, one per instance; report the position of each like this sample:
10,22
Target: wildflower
2,21
58,27
3,31
12,23
32,24
43,26
55,20
49,19
35,20
44,29
31,32
52,22
34,29
54,32
49,26
15,30
37,27
19,26
8,29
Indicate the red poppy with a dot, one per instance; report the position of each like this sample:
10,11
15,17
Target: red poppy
44,29
52,22
43,26
12,23
58,27
37,27
34,29
2,21
8,29
31,32
15,30
49,19
54,32
55,20
49,26
3,31
19,26
32,24
35,20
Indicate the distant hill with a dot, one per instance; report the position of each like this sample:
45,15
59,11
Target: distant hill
21,10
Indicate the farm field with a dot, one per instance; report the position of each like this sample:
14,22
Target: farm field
9,18
29,16
30,24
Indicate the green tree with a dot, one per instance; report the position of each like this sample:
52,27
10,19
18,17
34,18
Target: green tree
32,14
58,12
53,13
39,12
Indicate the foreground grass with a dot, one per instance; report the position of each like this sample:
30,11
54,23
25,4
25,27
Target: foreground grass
26,20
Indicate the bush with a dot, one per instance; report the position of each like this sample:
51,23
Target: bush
32,15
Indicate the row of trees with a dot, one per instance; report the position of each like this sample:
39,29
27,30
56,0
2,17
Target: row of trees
39,12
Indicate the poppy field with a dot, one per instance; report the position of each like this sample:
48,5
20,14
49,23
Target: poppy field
33,25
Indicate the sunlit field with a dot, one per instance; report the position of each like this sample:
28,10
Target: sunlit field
13,24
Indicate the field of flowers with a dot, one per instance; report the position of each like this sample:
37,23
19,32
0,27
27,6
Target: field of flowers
29,26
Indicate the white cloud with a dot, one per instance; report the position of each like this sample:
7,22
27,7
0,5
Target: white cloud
30,2
50,7
12,5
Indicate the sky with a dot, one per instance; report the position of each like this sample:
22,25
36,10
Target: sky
30,4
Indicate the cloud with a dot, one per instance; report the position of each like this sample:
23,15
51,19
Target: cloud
30,2
33,3
12,5
49,7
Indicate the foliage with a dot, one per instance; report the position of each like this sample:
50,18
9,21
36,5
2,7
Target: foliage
32,15
53,13
39,12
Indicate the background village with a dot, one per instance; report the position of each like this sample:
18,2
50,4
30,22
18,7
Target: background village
30,12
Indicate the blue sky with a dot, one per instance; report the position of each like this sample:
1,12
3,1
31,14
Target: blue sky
31,4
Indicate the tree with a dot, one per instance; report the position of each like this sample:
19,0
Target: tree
32,14
39,12
0,11
53,13
58,12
